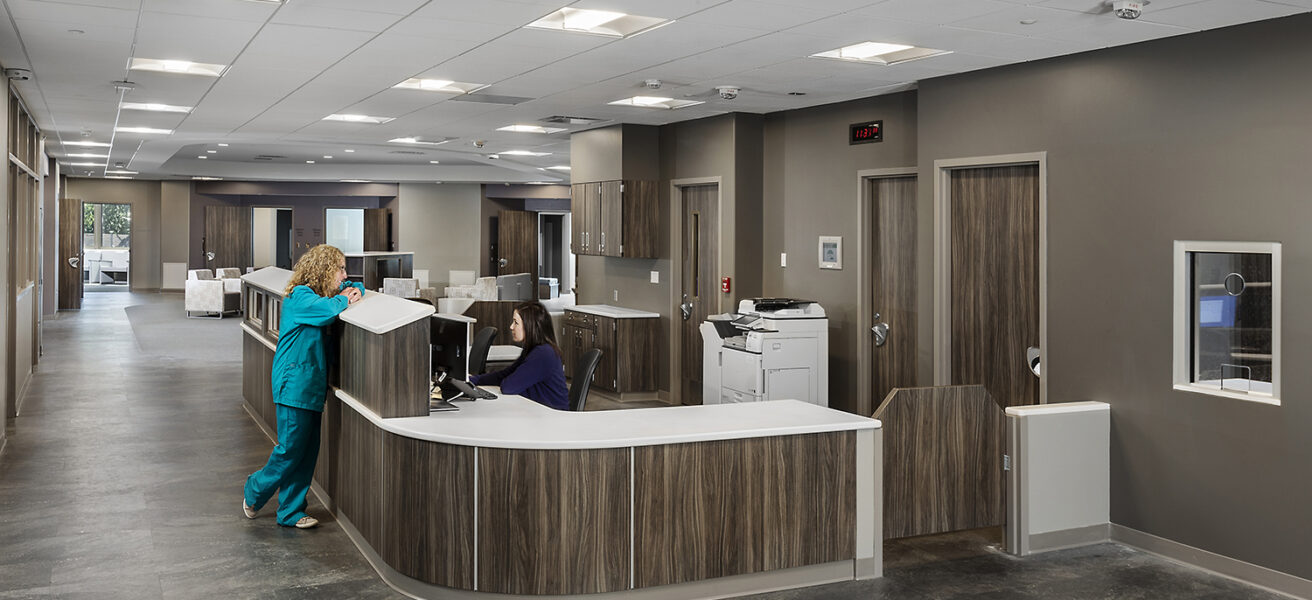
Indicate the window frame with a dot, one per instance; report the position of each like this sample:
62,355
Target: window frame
1183,317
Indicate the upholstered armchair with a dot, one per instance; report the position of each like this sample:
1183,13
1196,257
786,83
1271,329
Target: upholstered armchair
206,295
231,277
404,287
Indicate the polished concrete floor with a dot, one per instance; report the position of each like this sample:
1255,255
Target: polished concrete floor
122,474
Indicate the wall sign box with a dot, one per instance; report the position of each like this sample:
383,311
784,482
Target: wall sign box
865,133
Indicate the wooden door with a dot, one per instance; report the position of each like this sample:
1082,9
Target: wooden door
893,208
699,289
377,230
227,241
995,279
71,261
517,244
610,218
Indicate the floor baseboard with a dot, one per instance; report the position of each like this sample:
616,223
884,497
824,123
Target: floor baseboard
1275,581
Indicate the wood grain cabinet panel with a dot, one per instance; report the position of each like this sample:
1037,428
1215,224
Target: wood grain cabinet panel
428,511
553,521
359,464
732,507
628,350
388,373
615,218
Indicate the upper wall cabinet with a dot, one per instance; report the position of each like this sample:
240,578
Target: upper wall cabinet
615,218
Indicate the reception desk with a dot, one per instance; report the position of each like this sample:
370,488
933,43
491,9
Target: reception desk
507,496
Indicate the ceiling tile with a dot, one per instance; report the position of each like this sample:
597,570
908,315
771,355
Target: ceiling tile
933,12
295,47
178,37
72,15
765,16
395,7
499,12
1047,20
450,28
666,9
1217,13
1115,32
239,11
313,15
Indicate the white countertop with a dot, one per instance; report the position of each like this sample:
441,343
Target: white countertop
517,422
380,313
272,279
614,312
1055,408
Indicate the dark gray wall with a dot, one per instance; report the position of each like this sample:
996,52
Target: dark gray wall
307,214
1197,137
810,190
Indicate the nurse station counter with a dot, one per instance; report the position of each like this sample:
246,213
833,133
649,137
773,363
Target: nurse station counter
507,496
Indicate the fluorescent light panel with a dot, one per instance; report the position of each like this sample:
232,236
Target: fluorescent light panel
120,172
415,141
143,130
530,129
359,119
355,181
559,168
880,53
182,67
87,144
86,156
523,153
85,164
656,102
156,107
440,85
598,22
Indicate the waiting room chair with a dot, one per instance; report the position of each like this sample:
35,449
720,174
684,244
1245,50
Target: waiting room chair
231,277
478,350
204,294
403,287
578,389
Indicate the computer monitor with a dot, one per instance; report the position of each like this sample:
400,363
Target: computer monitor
518,287
1216,311
450,339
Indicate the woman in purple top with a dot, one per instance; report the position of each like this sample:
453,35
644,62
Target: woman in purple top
538,374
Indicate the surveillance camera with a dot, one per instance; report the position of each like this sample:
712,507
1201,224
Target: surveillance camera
727,92
479,143
1127,9
18,74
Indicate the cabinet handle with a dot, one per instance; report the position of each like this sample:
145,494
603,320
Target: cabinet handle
603,241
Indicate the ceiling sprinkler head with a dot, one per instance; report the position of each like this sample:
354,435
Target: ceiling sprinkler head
1128,9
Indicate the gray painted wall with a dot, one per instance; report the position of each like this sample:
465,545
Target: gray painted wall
1197,137
144,270
439,223
810,190
174,215
307,215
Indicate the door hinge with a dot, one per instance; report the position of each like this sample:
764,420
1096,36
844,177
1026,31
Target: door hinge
1006,462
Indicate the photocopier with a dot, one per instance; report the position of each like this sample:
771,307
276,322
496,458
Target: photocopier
771,349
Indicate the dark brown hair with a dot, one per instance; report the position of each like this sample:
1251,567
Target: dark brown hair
537,327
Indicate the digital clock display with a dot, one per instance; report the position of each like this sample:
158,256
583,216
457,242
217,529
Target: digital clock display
865,133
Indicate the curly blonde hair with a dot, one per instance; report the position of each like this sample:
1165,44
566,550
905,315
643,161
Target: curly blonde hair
317,269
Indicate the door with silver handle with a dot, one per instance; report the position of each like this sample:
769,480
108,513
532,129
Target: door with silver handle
686,308
73,261
881,332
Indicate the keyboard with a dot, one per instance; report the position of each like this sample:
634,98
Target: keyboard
439,405
471,391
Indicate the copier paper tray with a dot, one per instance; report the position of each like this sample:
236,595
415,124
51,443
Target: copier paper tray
771,304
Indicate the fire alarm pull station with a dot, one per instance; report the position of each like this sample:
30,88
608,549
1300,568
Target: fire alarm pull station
724,284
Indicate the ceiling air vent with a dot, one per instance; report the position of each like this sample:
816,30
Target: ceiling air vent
490,99
571,120
414,152
269,157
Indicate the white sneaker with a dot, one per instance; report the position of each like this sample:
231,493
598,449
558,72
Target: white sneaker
247,510
307,523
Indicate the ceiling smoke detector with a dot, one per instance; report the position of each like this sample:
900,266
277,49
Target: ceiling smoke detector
727,92
652,84
1127,9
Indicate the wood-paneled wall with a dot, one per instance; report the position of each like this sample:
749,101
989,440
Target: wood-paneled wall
389,373
553,521
715,509
359,464
428,510
942,460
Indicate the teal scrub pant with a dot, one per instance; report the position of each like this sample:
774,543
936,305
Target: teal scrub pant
290,467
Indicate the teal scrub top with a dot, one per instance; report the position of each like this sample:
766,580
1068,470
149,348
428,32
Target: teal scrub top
300,364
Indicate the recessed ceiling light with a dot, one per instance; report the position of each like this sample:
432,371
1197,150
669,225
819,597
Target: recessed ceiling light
223,145
120,172
143,130
85,164
183,67
309,162
87,144
84,155
354,181
440,85
656,102
327,156
204,178
530,129
598,22
156,107
349,150
880,53
358,119
212,151
559,168
203,156
415,141
433,162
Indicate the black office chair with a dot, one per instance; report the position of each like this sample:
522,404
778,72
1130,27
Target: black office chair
478,350
578,389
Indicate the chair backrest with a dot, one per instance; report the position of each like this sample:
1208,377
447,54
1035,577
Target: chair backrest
478,350
578,389
228,273
200,274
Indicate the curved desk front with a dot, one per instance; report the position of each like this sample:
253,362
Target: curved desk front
507,496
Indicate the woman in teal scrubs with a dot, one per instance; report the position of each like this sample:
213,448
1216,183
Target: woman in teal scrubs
315,295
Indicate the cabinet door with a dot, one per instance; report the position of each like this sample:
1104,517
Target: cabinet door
639,226
611,218
567,340
604,340
578,216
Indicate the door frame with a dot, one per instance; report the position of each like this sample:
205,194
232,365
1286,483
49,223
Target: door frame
567,253
676,270
865,347
943,256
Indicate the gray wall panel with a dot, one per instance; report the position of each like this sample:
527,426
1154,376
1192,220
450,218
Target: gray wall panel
145,267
